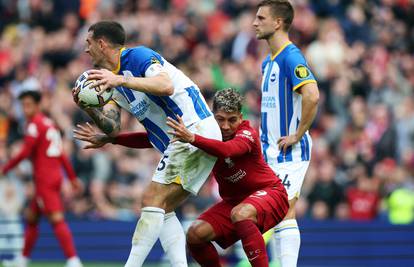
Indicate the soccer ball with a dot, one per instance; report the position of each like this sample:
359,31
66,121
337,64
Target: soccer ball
87,95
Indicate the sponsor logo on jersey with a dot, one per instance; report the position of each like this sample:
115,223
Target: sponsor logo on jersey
301,72
236,177
268,102
273,77
139,108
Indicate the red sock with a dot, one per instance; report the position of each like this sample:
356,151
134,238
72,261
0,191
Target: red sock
30,237
65,239
205,254
253,243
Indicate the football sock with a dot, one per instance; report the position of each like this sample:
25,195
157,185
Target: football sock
146,234
287,237
205,254
30,237
253,243
73,262
64,236
172,239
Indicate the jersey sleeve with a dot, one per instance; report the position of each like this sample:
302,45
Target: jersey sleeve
241,144
147,62
30,140
68,167
298,71
133,140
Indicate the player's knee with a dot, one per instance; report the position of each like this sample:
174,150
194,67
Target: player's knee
196,235
149,199
243,212
55,217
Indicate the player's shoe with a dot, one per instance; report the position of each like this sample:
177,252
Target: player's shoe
73,262
19,261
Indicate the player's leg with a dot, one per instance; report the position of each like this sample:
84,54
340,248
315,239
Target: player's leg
287,234
51,204
158,199
172,239
199,238
244,218
287,237
65,238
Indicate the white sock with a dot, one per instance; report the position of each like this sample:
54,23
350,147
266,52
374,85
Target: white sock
146,234
172,239
287,246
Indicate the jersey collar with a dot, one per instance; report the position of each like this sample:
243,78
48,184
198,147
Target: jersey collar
118,66
280,50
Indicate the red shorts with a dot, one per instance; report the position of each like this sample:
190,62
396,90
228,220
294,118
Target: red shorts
47,199
271,204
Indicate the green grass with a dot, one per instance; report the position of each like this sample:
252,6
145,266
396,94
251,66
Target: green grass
88,264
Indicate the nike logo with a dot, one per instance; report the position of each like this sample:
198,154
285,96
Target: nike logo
251,259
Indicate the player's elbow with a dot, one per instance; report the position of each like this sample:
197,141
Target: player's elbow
169,89
166,85
314,99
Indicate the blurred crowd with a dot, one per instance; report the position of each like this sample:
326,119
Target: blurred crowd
361,52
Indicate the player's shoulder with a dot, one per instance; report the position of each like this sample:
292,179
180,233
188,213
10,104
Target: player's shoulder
293,54
143,54
245,130
265,62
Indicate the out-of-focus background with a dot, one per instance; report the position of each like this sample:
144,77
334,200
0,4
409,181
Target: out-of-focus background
357,202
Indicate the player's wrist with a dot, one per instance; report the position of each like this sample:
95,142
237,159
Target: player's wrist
124,80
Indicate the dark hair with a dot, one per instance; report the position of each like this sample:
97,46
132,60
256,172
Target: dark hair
228,100
112,31
35,95
280,9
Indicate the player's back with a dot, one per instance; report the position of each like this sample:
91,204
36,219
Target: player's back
47,150
151,110
239,177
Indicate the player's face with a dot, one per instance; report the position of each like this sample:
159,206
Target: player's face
264,23
94,50
29,106
228,122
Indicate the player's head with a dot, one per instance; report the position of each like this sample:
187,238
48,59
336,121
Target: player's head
227,106
30,101
103,38
272,16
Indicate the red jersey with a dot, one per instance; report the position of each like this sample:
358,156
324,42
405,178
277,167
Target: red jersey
363,205
43,146
240,169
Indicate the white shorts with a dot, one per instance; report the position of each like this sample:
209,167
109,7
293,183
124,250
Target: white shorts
292,175
185,164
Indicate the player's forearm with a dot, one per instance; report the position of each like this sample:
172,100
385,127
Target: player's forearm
16,160
232,148
133,140
309,110
108,122
160,84
68,167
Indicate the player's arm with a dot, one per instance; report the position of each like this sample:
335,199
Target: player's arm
28,145
88,134
235,147
310,99
107,118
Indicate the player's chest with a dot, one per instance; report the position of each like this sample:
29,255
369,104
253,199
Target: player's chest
271,78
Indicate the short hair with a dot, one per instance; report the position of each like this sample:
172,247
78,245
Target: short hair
280,9
35,95
227,100
112,31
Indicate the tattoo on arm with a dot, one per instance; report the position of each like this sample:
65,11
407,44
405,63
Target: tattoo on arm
107,119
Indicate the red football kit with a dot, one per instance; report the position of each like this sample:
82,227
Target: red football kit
43,146
243,177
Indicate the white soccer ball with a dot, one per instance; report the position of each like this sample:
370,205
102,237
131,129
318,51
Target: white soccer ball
87,95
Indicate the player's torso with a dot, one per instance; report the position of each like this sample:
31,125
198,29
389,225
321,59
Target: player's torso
281,111
47,152
238,177
152,111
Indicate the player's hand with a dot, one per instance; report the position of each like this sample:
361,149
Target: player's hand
88,134
105,79
75,92
180,132
286,141
77,186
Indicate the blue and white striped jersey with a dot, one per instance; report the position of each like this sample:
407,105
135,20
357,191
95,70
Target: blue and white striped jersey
281,107
151,110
